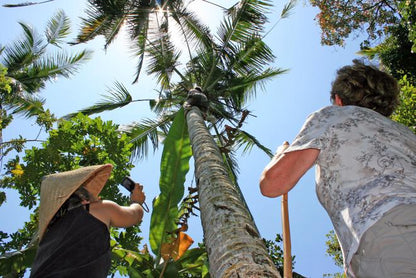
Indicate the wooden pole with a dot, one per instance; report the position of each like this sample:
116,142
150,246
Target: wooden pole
287,247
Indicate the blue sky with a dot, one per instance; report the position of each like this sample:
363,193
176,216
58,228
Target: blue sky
280,110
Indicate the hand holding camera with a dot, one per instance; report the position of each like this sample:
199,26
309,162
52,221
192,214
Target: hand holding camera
136,191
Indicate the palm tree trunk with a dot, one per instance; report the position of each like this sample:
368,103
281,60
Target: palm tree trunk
233,243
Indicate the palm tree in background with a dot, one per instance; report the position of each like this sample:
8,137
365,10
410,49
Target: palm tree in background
29,66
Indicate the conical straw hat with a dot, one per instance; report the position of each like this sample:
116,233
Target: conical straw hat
57,188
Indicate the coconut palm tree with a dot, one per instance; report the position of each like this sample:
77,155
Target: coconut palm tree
144,21
228,68
29,66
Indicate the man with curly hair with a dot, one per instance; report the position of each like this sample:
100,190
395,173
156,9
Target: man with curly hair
365,172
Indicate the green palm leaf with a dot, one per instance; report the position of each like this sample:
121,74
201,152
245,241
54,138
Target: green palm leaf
103,18
24,52
287,8
47,68
246,18
119,97
25,4
28,105
163,60
58,28
248,141
91,28
145,132
139,48
27,63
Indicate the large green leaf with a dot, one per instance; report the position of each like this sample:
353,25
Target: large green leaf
16,262
173,169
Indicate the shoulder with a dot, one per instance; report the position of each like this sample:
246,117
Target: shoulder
109,203
337,114
321,119
325,114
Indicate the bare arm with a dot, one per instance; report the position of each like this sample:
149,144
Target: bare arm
285,170
112,214
123,216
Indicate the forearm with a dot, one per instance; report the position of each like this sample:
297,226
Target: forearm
285,170
268,186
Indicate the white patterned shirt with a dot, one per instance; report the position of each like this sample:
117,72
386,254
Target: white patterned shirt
366,166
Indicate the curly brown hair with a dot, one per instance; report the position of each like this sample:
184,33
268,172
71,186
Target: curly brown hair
366,86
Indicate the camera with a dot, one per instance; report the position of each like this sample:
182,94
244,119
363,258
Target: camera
128,183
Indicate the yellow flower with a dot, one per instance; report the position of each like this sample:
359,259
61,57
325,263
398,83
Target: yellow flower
18,171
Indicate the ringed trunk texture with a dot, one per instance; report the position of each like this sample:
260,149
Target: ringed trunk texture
233,243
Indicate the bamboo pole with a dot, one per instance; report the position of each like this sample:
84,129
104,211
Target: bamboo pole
287,247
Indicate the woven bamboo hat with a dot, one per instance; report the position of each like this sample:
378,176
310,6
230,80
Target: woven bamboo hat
57,188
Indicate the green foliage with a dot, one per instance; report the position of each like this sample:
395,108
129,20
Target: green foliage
405,113
83,141
173,167
407,10
333,248
335,275
395,53
5,90
396,56
4,81
340,18
30,65
275,250
229,67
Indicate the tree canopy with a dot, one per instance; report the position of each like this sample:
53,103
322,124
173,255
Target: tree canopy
341,18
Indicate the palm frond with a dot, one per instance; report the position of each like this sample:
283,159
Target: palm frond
223,110
163,59
242,89
108,17
287,8
61,64
146,132
25,4
33,39
251,56
90,29
230,160
58,28
140,45
103,18
247,17
119,97
112,32
23,52
34,77
27,105
138,21
245,22
248,141
166,103
192,28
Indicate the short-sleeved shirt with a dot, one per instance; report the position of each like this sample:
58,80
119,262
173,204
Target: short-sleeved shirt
366,166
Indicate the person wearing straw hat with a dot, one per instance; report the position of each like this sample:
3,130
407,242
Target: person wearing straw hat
74,239
365,172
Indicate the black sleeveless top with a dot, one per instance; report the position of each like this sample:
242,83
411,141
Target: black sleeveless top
77,245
